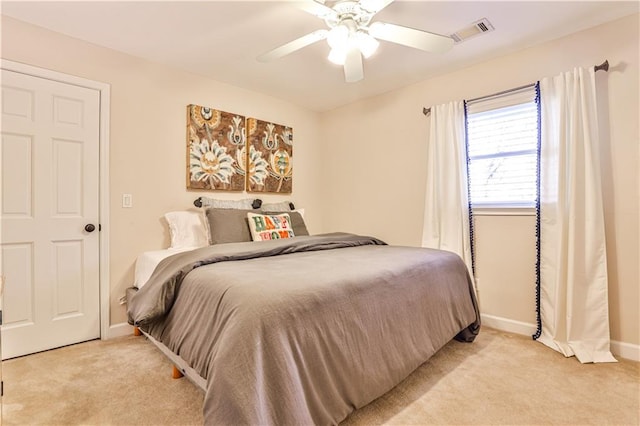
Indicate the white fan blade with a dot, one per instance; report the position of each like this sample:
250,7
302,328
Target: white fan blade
317,9
292,46
374,6
353,70
406,36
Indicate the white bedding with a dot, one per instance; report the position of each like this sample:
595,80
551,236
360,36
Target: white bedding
147,262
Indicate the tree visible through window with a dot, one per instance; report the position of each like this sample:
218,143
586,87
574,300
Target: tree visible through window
502,151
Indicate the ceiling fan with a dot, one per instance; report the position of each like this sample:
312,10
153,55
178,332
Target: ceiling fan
352,35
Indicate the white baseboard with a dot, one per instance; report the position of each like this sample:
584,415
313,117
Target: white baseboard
509,325
119,330
621,349
625,350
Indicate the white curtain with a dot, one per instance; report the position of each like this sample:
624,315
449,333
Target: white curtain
446,212
573,257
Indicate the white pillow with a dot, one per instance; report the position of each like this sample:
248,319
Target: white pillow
187,229
147,261
270,227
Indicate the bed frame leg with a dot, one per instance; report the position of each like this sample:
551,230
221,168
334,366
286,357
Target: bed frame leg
176,374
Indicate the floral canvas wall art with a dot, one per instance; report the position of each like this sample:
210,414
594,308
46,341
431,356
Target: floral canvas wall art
270,158
216,152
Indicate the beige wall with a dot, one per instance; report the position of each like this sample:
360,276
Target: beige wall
376,176
148,138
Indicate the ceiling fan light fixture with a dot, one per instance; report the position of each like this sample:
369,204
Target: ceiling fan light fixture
367,44
338,37
338,55
352,35
341,40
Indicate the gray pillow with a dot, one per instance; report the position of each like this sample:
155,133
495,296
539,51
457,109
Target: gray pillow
297,222
229,225
282,207
207,202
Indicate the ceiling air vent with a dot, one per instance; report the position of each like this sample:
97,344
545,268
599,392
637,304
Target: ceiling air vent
479,27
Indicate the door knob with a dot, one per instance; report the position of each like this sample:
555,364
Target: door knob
90,227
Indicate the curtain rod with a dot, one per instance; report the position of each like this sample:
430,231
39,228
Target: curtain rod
602,67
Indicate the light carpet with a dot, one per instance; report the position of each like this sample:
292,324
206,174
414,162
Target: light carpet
501,378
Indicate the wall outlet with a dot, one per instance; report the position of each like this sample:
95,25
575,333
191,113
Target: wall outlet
127,201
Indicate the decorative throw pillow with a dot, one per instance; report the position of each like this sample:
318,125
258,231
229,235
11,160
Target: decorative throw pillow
187,229
270,227
297,221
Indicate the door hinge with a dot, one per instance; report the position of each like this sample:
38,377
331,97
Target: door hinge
1,388
99,227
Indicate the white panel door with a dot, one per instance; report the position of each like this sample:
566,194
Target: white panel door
49,154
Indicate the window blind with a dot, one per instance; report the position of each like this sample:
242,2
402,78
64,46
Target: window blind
502,138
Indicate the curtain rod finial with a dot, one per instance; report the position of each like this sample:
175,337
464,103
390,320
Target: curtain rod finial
603,66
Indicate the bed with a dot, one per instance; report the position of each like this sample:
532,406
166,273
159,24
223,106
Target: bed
303,330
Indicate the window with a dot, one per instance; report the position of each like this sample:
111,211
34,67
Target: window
502,138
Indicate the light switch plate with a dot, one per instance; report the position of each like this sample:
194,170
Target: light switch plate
127,200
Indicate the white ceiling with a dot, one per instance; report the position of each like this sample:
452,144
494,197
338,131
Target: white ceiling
221,39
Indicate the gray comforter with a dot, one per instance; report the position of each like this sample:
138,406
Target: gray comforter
304,331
